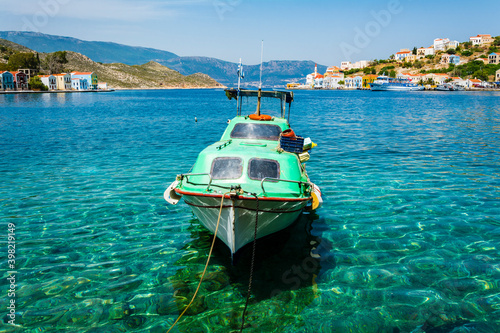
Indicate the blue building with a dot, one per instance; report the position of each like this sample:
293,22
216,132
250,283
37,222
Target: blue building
7,81
454,59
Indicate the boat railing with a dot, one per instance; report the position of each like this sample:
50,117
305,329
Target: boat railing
198,174
270,179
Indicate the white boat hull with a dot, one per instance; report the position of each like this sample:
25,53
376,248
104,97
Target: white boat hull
237,222
386,87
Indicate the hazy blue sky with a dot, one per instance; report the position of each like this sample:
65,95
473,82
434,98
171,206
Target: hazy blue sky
323,31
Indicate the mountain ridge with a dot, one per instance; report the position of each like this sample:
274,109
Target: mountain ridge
276,73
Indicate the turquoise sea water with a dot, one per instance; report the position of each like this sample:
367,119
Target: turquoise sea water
407,240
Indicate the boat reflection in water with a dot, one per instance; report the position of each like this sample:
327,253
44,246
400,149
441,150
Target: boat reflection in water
286,267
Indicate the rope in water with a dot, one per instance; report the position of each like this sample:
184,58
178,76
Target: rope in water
206,265
252,263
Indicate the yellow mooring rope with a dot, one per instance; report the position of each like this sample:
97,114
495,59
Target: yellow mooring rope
206,265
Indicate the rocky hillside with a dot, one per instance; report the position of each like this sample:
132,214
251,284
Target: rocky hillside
146,76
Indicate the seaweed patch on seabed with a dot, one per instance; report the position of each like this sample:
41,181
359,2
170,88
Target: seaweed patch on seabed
286,266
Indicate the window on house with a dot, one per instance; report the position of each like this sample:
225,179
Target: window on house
226,168
259,169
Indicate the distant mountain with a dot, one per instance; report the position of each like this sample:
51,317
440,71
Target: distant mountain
276,73
105,52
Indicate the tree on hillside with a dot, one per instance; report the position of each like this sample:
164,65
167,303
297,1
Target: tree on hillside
55,62
23,60
392,73
451,51
414,51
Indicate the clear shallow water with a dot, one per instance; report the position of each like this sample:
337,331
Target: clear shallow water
407,240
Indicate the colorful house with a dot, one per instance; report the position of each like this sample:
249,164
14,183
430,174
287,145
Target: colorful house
7,81
63,81
20,80
49,80
494,58
91,78
402,54
79,84
368,80
355,82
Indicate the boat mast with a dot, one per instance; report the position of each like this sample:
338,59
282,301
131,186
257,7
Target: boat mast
240,76
260,82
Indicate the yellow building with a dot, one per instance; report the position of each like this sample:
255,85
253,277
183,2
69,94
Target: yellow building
368,79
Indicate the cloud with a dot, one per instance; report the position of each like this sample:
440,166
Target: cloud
113,10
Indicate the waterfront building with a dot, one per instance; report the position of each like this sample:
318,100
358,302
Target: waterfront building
332,81
402,54
481,39
29,72
368,80
20,80
63,81
353,82
91,78
497,76
7,81
102,85
79,84
458,80
471,83
494,58
49,80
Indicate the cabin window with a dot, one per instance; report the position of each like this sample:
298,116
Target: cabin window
259,169
226,168
256,131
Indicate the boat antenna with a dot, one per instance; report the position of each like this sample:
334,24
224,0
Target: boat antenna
260,81
241,75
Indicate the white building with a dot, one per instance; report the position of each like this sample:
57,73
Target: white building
313,79
50,81
345,65
481,39
470,83
332,81
425,51
497,76
440,44
102,85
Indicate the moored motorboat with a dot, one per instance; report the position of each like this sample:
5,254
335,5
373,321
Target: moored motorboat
252,182
385,83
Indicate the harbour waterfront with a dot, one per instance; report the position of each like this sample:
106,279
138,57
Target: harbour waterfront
407,238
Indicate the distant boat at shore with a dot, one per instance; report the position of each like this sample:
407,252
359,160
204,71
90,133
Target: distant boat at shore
385,83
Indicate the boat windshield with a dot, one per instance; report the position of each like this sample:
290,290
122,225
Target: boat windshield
259,169
256,131
226,168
